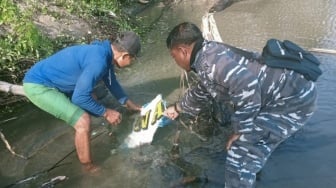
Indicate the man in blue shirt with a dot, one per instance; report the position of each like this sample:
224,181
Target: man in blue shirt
62,85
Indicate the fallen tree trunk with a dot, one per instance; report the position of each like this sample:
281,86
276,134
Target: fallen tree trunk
12,88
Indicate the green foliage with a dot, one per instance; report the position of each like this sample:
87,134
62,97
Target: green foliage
22,43
20,40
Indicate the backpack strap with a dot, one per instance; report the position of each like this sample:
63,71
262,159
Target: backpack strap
246,54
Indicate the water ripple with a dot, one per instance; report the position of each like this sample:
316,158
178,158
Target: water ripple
329,40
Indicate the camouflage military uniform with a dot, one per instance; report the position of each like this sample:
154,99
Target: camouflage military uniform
269,105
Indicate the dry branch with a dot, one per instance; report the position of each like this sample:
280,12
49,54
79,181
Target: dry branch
3,138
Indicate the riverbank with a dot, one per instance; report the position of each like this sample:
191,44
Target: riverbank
64,24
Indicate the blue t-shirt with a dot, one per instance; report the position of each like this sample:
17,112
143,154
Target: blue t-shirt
76,70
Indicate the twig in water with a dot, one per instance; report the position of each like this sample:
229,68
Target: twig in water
35,176
6,120
3,138
192,132
175,150
57,164
53,181
177,137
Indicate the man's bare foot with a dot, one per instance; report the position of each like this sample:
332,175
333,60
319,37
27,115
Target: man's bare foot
91,168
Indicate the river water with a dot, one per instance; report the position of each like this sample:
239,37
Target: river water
308,159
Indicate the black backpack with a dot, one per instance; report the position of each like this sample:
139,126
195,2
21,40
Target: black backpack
289,55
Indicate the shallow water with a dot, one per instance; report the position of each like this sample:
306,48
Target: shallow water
305,160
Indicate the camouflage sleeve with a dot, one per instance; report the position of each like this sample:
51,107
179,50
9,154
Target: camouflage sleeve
195,99
244,92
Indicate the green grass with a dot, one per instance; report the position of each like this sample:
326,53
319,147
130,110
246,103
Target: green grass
22,43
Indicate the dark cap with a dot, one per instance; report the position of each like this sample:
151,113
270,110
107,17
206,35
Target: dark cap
131,42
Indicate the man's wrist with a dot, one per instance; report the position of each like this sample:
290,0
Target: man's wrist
105,114
177,108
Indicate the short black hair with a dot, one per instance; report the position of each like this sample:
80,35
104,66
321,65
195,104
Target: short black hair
184,33
129,42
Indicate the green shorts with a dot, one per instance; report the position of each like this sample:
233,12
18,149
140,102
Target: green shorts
54,102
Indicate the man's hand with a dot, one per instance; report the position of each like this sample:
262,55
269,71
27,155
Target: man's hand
112,116
130,105
172,111
233,138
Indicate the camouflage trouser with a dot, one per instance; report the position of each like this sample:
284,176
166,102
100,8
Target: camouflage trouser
273,125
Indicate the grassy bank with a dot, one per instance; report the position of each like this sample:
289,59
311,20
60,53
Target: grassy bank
24,40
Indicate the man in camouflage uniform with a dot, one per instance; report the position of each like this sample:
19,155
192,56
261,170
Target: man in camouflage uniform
269,104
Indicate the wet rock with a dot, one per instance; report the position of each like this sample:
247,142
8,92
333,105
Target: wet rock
69,25
113,151
221,5
143,1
